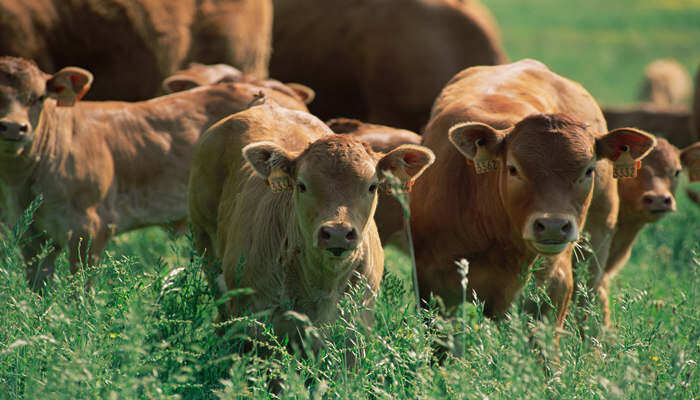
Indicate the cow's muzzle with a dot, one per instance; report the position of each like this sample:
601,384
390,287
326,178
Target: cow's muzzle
337,238
658,204
12,131
551,234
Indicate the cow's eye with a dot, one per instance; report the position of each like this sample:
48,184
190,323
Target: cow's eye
373,188
678,172
589,172
512,171
302,187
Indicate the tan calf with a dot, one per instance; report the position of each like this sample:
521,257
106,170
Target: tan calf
287,207
666,84
518,150
102,167
643,200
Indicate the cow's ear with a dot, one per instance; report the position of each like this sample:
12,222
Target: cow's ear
272,163
478,142
406,163
625,147
178,83
303,92
69,85
344,125
690,158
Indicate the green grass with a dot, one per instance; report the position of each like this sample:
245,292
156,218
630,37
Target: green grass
149,329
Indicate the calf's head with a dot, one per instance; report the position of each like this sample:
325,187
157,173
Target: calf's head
334,183
546,165
650,195
24,90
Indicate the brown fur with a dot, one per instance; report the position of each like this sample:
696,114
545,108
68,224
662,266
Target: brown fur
546,129
132,45
103,167
201,75
236,216
666,84
657,179
380,61
696,108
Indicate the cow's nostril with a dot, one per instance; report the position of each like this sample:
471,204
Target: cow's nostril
648,200
566,228
667,201
3,127
539,226
23,128
352,235
325,234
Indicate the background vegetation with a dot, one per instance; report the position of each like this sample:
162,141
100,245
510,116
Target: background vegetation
148,329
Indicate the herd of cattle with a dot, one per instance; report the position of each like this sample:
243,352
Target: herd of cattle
515,163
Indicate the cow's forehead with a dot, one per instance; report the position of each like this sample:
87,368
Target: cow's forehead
663,158
551,143
21,76
338,156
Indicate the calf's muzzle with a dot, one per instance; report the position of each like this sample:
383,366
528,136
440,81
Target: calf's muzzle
337,238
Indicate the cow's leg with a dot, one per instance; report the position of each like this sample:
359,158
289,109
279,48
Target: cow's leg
86,245
556,277
38,272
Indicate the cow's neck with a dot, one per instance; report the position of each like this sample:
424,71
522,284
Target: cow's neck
627,229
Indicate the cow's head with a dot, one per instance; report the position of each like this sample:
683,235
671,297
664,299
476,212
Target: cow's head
335,183
24,89
546,165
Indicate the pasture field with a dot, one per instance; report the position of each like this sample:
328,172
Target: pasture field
148,329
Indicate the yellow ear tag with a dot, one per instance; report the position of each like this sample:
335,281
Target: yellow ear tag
625,166
484,161
279,181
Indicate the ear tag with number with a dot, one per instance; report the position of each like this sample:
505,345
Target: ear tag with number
279,181
625,166
484,161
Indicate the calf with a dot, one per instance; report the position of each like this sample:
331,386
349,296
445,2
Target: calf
643,200
102,167
287,207
518,150
380,61
666,84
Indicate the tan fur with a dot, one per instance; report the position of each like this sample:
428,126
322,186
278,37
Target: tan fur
550,130
268,241
380,61
132,45
657,177
103,167
666,84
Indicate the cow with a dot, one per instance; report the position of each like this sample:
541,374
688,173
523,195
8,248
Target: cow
518,149
197,74
285,207
389,216
380,61
644,199
696,107
102,167
131,46
666,84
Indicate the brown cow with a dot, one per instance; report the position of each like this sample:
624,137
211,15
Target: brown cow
389,216
102,167
537,141
287,207
643,200
196,75
131,46
666,84
380,61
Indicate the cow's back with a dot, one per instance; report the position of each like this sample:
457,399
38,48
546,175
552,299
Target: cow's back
381,62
